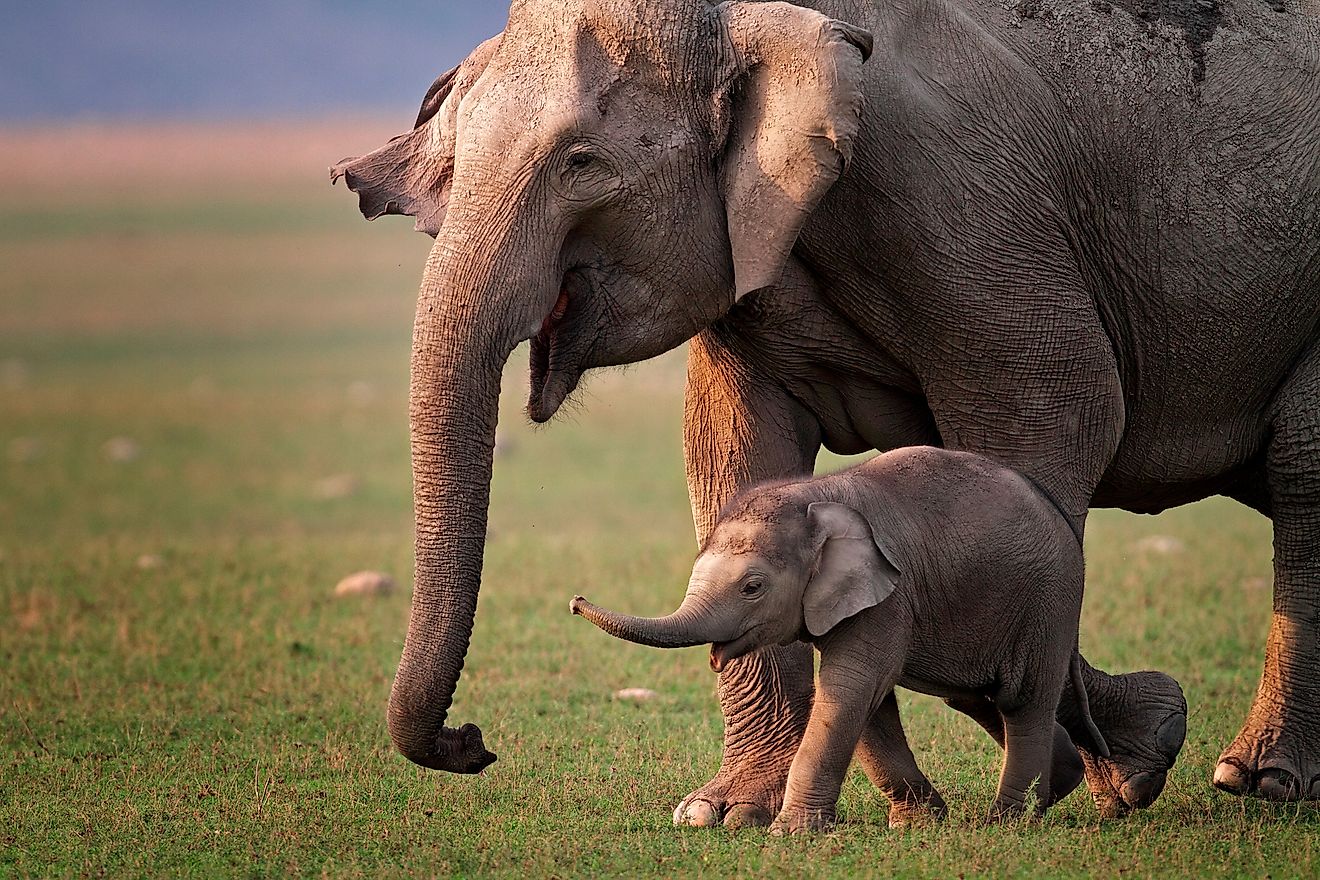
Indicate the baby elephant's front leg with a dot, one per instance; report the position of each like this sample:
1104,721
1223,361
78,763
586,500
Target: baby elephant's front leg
845,697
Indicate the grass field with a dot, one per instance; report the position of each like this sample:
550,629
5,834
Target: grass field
203,362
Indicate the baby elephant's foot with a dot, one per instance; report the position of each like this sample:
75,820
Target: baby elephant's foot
1006,810
1145,732
917,811
802,820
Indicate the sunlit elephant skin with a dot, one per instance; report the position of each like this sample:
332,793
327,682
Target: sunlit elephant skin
1077,237
935,570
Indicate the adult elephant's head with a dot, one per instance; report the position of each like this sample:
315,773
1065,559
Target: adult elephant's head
604,179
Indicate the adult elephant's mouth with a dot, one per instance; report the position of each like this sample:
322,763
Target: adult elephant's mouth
555,359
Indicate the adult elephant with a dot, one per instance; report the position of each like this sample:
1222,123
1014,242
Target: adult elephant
1080,238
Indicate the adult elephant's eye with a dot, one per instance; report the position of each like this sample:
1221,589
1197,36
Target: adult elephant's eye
580,159
752,589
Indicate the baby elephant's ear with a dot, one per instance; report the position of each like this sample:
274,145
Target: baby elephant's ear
852,572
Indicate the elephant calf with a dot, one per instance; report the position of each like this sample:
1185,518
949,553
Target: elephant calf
939,571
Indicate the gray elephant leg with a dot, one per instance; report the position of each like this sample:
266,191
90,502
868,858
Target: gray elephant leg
887,759
1277,753
1066,769
1028,744
854,672
741,429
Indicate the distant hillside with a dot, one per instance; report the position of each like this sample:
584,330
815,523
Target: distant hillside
153,59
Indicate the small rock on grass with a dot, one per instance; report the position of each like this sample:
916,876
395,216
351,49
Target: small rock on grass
635,695
202,388
1164,545
337,486
149,562
361,393
365,583
121,450
24,449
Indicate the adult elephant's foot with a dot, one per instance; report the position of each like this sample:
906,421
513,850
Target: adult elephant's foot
1272,760
744,795
1277,754
1143,718
766,700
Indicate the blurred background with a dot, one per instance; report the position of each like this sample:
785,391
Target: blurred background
283,59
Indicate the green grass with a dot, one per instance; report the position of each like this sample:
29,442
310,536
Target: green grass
223,713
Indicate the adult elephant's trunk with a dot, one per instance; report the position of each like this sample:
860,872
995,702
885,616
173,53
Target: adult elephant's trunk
466,327
689,625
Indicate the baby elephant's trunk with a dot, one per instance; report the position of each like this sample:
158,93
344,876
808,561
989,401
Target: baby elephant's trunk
1084,705
682,629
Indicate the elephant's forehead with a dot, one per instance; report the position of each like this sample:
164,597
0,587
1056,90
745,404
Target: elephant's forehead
607,33
767,533
720,566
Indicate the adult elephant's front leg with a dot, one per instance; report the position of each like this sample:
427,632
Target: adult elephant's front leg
740,428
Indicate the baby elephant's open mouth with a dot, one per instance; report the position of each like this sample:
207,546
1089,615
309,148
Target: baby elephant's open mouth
722,653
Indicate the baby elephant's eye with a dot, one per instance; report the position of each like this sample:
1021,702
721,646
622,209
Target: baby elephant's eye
752,589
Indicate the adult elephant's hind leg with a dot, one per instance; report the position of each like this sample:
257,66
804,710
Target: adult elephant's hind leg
1277,753
739,429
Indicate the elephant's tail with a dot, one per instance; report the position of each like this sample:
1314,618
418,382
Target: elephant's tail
1084,703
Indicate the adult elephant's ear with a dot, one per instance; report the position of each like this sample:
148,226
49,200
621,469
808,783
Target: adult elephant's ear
412,174
852,570
789,109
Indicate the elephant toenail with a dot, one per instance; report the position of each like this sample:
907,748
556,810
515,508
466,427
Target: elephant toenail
698,814
1278,785
746,816
1141,789
1171,735
1231,777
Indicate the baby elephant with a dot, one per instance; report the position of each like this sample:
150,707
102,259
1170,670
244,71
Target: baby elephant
939,571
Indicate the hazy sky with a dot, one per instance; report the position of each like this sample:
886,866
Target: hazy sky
150,59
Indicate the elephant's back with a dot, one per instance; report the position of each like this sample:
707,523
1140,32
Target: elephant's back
963,528
962,499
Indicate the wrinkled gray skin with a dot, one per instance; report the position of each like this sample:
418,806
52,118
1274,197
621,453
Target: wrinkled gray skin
1077,237
938,571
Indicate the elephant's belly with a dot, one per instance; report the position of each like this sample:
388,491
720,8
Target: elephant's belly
856,415
1181,455
943,690
1155,496
1175,450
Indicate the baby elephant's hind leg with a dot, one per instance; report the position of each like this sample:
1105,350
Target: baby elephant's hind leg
1028,750
1066,769
884,754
